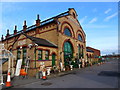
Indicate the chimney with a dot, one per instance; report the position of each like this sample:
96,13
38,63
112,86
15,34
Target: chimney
15,30
2,38
7,35
38,21
24,26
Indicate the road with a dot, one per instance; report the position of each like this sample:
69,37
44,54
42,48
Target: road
103,76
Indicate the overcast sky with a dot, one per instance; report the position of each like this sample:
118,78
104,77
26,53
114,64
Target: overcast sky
99,20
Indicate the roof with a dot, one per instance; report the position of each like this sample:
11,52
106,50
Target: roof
88,50
92,48
47,21
41,42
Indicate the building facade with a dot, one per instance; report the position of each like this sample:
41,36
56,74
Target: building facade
93,54
52,41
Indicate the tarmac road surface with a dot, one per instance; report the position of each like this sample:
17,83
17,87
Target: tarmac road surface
103,76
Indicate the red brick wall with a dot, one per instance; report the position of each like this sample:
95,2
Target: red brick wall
96,51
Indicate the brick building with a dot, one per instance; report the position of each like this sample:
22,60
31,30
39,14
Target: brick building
92,54
51,41
95,51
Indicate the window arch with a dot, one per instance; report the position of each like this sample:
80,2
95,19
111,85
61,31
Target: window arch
67,32
80,38
68,52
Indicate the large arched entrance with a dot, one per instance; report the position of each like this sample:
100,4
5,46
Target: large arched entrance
68,52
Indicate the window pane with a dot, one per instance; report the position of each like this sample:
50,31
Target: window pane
67,32
47,55
79,37
39,54
24,55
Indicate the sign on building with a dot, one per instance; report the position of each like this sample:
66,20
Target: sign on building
2,47
21,42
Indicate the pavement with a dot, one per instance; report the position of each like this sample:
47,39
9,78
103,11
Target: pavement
103,76
22,81
18,81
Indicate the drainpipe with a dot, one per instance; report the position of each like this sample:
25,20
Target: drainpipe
57,38
35,53
35,56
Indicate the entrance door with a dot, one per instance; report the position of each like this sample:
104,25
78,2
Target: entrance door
53,59
68,52
24,56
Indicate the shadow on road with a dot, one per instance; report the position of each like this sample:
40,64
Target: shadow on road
109,73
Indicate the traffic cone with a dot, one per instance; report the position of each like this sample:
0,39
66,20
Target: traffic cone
22,72
8,83
44,75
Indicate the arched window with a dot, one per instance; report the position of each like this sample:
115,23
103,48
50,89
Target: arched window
67,32
68,52
80,38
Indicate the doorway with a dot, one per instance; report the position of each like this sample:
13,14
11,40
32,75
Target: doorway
53,59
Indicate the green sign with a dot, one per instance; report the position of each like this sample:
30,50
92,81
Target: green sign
100,57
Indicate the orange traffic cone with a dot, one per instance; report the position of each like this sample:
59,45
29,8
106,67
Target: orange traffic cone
8,83
44,75
22,72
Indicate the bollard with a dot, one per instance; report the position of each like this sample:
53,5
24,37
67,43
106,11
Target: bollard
79,66
61,66
91,64
98,64
82,65
71,67
44,75
48,71
63,69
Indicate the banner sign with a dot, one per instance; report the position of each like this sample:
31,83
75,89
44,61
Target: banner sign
18,67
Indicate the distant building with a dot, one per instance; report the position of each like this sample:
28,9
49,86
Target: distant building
92,54
96,51
51,41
